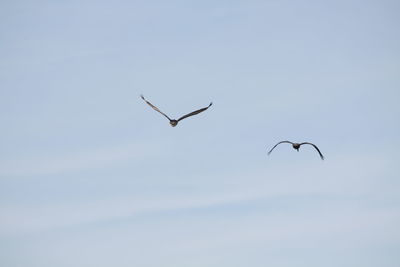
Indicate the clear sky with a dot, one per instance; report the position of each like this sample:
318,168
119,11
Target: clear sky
92,176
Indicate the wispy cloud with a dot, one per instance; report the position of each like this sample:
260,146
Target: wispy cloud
81,160
28,218
341,179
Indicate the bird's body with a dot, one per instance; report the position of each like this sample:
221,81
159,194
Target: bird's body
174,122
297,147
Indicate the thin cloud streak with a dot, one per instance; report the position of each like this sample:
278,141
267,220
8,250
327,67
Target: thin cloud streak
26,218
82,160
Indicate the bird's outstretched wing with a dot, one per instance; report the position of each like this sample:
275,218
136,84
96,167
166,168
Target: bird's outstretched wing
319,152
154,107
194,112
278,144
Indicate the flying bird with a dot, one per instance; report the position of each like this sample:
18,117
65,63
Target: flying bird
172,121
297,146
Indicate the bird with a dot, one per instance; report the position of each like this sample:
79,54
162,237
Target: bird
297,146
174,122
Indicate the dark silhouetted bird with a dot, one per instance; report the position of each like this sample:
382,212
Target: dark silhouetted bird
297,146
175,122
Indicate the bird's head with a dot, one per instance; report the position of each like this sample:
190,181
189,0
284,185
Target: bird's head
173,123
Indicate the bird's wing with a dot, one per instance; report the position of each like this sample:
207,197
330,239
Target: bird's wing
278,144
194,112
319,152
154,107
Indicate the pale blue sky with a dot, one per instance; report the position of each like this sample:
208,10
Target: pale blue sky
91,176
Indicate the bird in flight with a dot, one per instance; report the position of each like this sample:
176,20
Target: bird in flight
297,146
175,122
